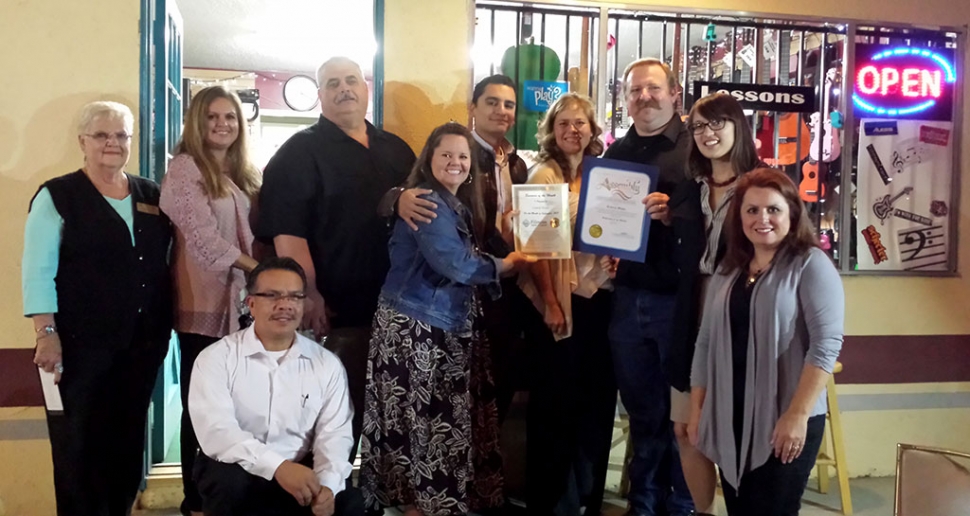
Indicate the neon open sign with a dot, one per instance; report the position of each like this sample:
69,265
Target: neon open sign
904,82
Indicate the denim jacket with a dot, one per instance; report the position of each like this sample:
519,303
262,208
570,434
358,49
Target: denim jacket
435,269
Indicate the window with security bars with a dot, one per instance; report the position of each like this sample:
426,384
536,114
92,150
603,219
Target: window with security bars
718,52
536,46
816,143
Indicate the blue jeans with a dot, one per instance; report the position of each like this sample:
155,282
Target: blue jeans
640,339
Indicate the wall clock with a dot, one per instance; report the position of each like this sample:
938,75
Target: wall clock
300,93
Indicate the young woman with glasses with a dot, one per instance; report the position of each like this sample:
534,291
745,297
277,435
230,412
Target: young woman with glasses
722,149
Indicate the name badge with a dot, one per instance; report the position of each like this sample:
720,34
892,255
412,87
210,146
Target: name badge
150,209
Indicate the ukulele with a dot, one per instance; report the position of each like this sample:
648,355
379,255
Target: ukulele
810,190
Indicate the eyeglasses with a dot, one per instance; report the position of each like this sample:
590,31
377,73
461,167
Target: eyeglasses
276,297
715,125
103,137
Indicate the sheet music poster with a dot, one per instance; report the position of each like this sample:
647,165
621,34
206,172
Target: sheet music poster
903,197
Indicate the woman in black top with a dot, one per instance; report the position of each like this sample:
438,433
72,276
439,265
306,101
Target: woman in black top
721,150
767,343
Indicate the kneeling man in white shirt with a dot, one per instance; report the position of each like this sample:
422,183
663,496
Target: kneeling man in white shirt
272,411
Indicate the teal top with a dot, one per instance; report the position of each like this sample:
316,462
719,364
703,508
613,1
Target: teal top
42,244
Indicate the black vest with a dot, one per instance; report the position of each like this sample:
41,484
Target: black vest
486,166
108,291
519,173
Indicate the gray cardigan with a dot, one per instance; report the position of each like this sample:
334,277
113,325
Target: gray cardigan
797,316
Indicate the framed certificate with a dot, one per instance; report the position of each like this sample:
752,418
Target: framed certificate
611,219
542,228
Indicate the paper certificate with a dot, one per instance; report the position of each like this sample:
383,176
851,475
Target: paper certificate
542,228
612,219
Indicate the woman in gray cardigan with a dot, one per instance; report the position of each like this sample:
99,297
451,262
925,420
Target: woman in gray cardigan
771,332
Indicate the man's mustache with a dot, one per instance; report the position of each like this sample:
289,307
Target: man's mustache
346,96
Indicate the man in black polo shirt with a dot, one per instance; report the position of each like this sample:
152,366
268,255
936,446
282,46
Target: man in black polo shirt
644,298
318,205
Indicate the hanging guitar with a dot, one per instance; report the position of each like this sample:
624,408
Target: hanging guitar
830,145
826,144
791,146
826,131
792,134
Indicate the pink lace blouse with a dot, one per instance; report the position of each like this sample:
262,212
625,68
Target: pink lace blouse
210,235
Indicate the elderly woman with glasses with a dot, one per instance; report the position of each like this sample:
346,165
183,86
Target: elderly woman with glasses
96,285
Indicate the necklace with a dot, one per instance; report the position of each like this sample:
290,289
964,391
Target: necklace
752,278
721,184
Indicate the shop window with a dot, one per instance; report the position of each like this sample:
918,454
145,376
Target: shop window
861,117
904,106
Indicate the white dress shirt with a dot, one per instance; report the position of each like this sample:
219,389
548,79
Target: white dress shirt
247,409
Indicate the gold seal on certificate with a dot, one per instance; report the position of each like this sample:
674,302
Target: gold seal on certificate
542,228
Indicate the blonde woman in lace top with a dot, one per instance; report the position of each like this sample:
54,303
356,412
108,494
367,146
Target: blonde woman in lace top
207,194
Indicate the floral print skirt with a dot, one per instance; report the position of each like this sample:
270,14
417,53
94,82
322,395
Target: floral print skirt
430,437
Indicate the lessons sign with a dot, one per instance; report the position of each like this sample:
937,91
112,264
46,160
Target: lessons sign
762,97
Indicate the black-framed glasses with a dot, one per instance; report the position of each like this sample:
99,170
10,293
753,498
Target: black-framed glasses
103,137
715,125
276,297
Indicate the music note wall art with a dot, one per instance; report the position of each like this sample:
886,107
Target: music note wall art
904,195
907,153
922,248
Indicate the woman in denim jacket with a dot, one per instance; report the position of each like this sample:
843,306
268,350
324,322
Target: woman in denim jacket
430,438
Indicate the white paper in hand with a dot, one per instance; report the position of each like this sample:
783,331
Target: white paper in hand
52,393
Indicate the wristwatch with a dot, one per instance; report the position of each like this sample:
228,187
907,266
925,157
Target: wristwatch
47,330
